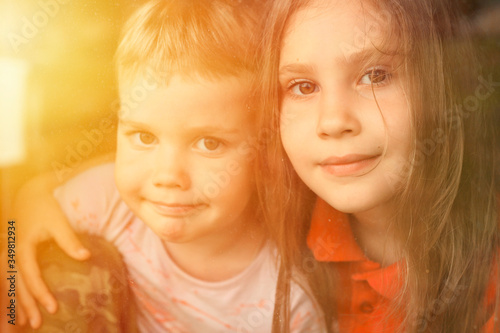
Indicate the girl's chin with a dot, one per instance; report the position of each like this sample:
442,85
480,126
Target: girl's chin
351,205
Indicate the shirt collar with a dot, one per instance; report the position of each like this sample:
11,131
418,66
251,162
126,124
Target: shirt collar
331,239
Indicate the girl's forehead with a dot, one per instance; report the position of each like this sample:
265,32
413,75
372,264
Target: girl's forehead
361,15
368,24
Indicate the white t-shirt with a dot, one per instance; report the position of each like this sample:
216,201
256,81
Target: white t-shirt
168,299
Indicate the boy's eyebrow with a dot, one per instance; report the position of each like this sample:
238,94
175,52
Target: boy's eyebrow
192,128
131,123
214,129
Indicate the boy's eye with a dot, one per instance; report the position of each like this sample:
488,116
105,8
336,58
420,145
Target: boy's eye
375,77
142,138
146,138
208,144
303,88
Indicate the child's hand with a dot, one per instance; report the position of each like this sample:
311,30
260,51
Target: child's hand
39,218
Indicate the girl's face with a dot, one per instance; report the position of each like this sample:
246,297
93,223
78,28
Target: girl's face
349,147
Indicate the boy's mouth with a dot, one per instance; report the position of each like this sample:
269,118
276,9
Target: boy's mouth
175,209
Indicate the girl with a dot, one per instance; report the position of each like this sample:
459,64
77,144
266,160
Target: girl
381,115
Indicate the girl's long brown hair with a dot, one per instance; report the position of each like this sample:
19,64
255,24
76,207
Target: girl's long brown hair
288,202
447,221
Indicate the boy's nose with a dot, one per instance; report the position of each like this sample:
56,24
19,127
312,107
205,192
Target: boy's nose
170,171
336,117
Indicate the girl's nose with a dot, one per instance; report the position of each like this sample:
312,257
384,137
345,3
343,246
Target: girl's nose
170,170
337,117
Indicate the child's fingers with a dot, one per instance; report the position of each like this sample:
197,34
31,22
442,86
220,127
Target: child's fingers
21,316
29,305
33,284
67,240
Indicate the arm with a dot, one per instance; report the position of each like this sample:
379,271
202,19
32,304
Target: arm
41,219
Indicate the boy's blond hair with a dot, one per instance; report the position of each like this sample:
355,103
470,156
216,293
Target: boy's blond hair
210,38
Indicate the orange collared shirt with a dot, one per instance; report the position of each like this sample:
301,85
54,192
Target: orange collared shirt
366,289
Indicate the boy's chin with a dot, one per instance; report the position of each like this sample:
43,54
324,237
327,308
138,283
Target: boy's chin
172,233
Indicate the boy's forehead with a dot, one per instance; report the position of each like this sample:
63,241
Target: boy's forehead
150,80
185,97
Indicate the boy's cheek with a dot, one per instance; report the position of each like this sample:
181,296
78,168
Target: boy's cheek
233,168
232,175
120,178
247,152
128,174
127,155
245,148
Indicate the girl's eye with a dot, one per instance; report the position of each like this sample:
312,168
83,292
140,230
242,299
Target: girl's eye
208,144
375,76
303,88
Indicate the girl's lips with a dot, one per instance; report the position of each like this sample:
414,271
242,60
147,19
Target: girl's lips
349,165
175,209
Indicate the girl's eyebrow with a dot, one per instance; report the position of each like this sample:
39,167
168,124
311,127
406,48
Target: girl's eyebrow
296,68
362,56
359,57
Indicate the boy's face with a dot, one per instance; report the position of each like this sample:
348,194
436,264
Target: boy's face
183,162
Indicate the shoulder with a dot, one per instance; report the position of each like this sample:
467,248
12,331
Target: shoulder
91,200
305,313
97,182
102,175
260,282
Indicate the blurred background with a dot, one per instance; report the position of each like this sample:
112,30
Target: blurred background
58,95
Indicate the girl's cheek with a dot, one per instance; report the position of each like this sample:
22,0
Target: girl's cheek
289,118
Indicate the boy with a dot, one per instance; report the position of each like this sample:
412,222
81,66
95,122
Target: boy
180,202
